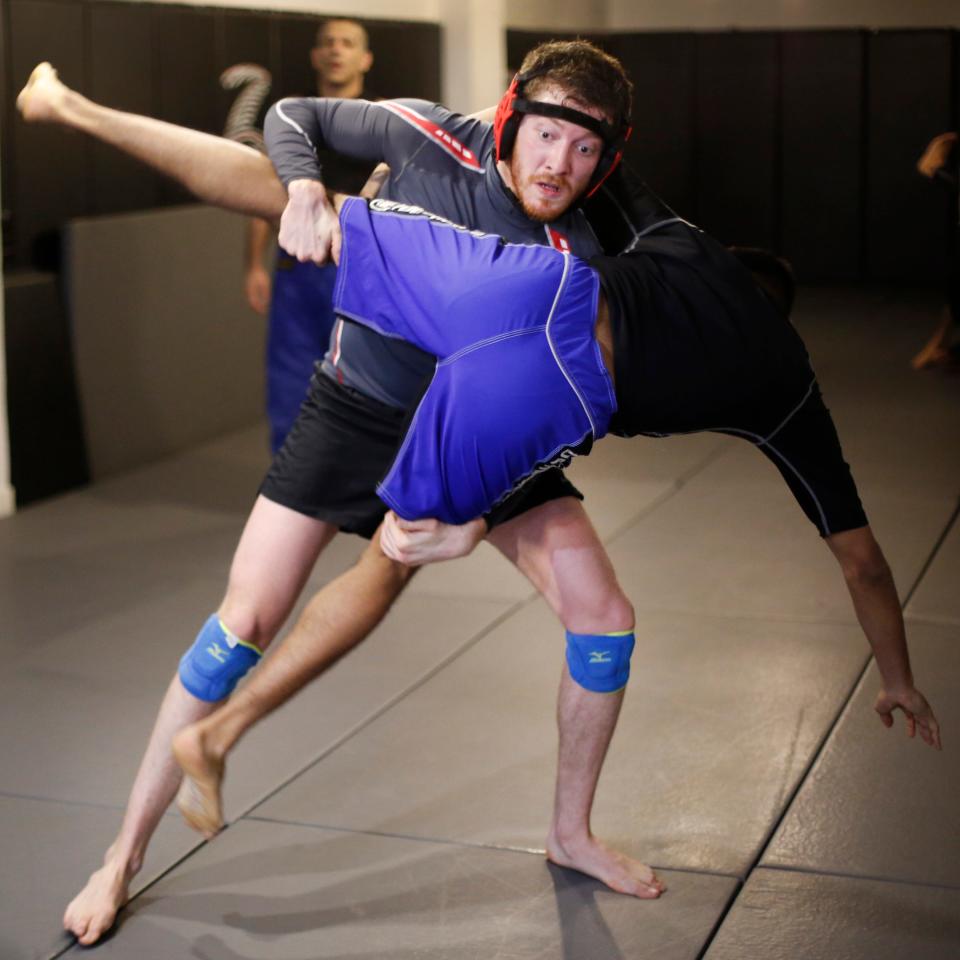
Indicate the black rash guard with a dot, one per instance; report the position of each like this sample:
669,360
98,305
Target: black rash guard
698,347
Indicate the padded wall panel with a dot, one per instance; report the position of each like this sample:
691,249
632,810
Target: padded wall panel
49,177
167,352
295,37
661,66
47,453
520,42
121,74
189,87
406,60
736,165
821,150
909,78
246,39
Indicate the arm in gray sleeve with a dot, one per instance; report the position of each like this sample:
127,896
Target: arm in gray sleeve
296,128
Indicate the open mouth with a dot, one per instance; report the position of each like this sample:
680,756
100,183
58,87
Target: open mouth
548,189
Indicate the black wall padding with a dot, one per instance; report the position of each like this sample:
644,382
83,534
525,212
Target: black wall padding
736,157
49,169
803,141
295,37
662,68
406,60
909,81
822,155
246,38
187,75
46,440
120,73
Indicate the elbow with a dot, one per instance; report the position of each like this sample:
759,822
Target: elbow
861,559
867,572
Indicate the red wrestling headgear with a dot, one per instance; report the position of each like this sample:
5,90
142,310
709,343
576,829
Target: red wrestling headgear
513,105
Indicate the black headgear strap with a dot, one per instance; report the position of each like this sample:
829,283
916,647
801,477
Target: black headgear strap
606,131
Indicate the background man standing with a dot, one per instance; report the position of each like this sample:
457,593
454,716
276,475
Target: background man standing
299,303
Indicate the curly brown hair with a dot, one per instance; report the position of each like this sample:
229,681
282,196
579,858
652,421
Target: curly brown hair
583,71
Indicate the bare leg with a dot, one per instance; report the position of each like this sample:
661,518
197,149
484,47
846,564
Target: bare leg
217,171
556,546
341,615
273,559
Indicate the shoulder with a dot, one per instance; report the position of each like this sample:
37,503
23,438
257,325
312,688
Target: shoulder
464,138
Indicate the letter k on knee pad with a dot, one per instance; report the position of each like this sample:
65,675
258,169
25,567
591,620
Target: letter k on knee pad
216,661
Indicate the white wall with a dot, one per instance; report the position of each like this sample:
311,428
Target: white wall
474,53
775,14
370,9
563,15
6,491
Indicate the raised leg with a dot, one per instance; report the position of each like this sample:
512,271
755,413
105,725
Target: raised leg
276,552
556,547
215,170
342,614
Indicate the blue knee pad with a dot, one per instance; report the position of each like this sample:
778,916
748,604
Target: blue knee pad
213,666
600,662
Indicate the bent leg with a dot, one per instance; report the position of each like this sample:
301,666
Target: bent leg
274,557
342,614
556,547
217,171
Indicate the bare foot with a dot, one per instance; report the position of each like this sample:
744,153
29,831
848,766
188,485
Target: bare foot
199,797
616,870
42,99
93,910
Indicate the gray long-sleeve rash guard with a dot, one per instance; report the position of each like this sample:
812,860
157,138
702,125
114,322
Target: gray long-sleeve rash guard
441,161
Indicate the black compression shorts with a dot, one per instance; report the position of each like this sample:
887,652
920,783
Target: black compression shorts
341,446
805,448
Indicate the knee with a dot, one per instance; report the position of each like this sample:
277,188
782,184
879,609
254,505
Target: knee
248,616
600,663
602,610
216,661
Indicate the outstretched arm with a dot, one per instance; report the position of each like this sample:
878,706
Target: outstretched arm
877,605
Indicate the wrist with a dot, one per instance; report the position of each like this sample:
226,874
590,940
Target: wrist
307,188
897,683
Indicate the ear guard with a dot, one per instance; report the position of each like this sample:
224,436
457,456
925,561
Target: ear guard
513,105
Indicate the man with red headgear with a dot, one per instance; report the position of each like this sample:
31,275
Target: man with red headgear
560,130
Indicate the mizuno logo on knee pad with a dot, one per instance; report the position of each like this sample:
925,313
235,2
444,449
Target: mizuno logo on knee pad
600,662
600,656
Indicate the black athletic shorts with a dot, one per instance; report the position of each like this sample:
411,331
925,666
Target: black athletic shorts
805,448
340,447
